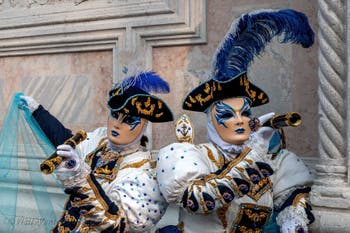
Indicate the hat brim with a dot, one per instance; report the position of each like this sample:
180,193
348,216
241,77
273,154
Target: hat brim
136,102
200,98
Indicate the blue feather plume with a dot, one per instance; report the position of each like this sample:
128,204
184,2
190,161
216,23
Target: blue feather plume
147,81
249,35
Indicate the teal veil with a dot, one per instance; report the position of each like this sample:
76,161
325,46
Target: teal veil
29,200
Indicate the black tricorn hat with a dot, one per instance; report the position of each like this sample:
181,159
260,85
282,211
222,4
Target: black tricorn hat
200,98
132,97
246,39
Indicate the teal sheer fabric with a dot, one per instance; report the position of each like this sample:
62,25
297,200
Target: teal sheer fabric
30,201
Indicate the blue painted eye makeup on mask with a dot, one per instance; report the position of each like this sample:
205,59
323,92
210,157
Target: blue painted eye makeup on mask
132,121
223,112
246,110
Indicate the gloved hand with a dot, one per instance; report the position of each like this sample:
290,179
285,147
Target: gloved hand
30,103
73,170
71,160
263,134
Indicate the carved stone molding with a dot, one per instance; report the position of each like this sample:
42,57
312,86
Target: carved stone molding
125,27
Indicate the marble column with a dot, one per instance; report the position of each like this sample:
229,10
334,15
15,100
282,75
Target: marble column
331,191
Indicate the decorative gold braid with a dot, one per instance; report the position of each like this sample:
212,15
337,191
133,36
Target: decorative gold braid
234,186
249,161
212,158
101,142
225,171
221,212
101,146
101,200
136,164
241,169
113,217
236,161
218,195
202,203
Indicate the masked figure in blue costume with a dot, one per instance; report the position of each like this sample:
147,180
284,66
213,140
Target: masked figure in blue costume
109,176
234,183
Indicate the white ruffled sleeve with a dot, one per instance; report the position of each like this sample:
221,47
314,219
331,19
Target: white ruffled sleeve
292,184
138,194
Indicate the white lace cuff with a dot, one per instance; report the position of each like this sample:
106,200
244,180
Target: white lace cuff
292,218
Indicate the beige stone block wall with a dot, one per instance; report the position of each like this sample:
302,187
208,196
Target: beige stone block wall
72,86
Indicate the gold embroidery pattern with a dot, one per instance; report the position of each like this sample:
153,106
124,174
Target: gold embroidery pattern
147,107
117,91
259,189
160,104
210,89
62,229
88,158
159,115
145,111
77,203
104,172
244,82
250,218
188,104
256,217
192,99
